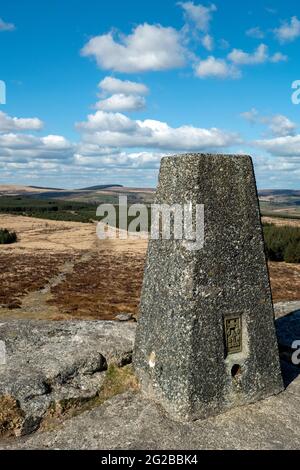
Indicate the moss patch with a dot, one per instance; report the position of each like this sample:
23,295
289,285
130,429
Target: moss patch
117,380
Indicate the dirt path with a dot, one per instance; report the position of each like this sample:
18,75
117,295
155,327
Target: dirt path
36,305
61,270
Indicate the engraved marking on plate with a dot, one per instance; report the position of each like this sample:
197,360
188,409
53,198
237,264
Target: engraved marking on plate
233,333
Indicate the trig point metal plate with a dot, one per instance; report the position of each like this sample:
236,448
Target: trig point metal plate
233,333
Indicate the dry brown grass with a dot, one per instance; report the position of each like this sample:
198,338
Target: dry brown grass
60,270
101,287
281,221
47,276
24,273
285,281
48,235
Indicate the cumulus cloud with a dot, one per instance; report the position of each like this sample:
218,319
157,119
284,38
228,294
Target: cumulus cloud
240,57
113,122
281,126
95,150
56,142
19,147
276,172
6,26
255,33
215,68
17,141
288,146
126,95
251,116
8,123
26,146
278,57
270,10
148,47
116,129
288,31
223,44
198,19
130,160
121,102
115,85
259,56
278,124
200,15
208,42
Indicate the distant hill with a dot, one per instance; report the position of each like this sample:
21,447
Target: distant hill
279,192
45,187
101,186
14,190
108,193
273,202
280,202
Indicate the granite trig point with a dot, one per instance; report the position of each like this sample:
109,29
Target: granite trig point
206,339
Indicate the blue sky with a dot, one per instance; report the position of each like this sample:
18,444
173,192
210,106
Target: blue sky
97,92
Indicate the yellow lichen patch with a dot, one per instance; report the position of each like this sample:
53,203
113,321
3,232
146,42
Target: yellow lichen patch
11,416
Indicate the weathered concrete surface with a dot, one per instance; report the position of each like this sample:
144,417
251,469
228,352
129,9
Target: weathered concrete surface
50,362
180,354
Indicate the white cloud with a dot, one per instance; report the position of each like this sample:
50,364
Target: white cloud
288,146
223,44
278,57
55,142
278,124
123,159
17,141
200,15
208,42
23,146
94,150
112,122
279,172
251,116
148,47
270,10
8,123
115,85
126,95
6,26
288,31
255,32
222,68
117,130
281,126
121,102
215,68
259,56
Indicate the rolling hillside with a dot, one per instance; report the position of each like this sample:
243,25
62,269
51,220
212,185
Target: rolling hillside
274,202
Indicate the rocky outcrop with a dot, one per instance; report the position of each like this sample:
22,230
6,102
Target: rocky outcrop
129,421
56,362
48,363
